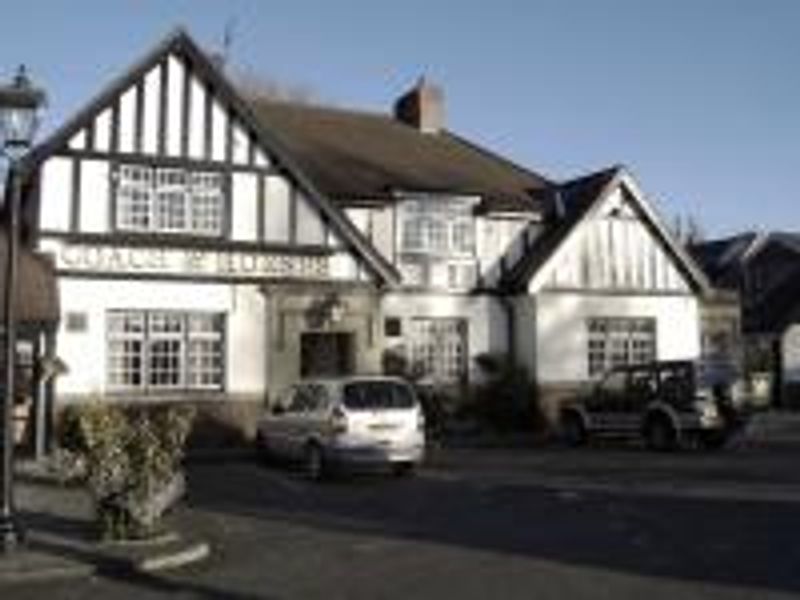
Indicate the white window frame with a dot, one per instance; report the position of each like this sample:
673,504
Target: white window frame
170,200
192,347
440,348
617,341
437,241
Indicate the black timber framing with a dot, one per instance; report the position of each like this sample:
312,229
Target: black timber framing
181,44
261,199
114,134
186,107
138,135
163,107
75,196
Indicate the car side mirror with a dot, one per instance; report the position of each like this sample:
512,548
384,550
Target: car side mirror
278,409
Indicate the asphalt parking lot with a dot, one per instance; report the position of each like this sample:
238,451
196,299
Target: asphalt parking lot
614,522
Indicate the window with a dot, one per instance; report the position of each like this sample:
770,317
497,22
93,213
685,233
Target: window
165,350
169,200
392,327
443,226
619,341
437,242
439,348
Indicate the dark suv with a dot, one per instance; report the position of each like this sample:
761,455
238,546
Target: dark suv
665,403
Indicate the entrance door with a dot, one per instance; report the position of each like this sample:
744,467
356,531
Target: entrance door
325,354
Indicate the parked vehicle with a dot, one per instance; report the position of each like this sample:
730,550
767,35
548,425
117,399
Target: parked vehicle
348,421
666,403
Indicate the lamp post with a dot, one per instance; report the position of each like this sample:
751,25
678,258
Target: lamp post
19,105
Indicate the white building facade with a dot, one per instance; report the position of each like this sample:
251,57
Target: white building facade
208,245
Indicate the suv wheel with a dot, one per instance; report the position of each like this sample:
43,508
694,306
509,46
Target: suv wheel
572,429
315,462
660,435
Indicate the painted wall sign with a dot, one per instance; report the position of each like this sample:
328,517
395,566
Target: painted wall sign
122,260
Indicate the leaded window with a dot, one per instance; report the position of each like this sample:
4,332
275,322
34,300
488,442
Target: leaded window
169,200
439,348
619,341
165,350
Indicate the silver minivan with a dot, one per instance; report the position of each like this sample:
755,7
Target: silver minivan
345,421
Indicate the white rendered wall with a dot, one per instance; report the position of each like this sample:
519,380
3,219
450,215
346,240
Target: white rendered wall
561,332
488,330
85,352
245,207
95,196
55,194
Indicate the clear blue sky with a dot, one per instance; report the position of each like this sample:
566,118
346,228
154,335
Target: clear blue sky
700,98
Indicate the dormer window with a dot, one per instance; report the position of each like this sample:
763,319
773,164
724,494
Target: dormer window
169,200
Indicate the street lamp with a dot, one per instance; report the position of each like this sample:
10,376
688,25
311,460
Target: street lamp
19,117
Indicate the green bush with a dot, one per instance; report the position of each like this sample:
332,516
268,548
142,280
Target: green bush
507,399
130,459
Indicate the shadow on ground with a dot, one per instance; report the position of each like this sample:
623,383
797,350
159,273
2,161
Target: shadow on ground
716,541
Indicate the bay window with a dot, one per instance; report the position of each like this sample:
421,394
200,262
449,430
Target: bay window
437,242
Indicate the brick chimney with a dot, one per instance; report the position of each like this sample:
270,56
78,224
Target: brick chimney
422,107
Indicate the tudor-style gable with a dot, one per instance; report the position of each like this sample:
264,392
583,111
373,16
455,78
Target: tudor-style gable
615,249
170,154
605,237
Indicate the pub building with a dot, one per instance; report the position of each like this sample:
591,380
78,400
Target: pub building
212,245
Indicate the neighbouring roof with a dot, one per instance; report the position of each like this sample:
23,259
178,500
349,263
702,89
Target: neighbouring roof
37,290
724,259
370,156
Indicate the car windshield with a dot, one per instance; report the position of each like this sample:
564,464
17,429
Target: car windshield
371,395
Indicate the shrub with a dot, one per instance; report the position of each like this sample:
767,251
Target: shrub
507,399
130,460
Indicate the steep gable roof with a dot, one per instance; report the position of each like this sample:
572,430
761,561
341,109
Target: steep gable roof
181,44
574,201
369,156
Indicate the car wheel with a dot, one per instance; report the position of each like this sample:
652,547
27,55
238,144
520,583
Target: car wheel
660,435
403,469
315,462
572,429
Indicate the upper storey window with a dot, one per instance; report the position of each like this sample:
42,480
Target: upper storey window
437,242
438,226
169,200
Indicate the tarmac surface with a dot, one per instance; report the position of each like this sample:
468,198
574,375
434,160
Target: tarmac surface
603,522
